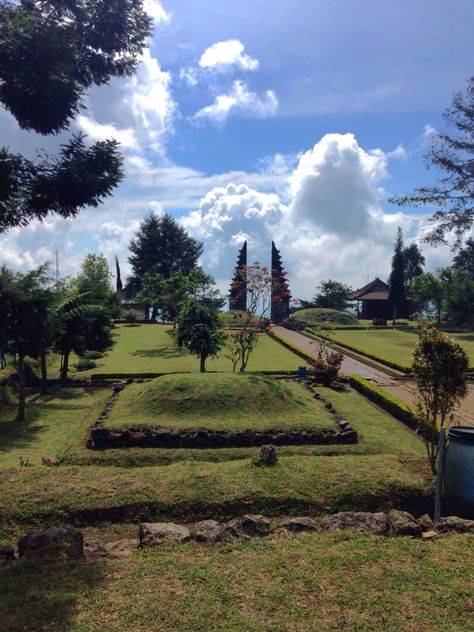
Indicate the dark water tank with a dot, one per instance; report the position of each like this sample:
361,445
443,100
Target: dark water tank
459,472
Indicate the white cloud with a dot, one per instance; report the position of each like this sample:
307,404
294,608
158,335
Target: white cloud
224,55
155,10
239,100
97,131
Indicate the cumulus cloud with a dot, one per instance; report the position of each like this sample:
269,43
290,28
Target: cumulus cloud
98,131
238,100
156,11
222,56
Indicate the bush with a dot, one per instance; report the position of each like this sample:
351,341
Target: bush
84,364
325,369
92,355
130,317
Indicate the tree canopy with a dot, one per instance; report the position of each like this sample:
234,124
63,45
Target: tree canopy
452,153
162,246
50,54
332,294
414,261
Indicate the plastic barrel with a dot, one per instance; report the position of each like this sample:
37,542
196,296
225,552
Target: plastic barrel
459,472
302,371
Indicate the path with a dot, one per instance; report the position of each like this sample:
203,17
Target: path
399,387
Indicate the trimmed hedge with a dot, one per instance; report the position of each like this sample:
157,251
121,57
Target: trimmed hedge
394,406
369,327
393,365
291,347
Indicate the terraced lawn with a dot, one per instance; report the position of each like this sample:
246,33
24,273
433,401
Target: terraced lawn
394,345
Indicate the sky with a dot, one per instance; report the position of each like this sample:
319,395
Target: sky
292,120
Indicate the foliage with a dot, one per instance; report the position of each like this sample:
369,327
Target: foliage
95,281
92,355
464,258
52,51
118,277
199,330
328,363
452,153
162,246
459,297
168,294
396,294
50,54
332,295
414,262
130,316
83,364
394,406
428,293
439,370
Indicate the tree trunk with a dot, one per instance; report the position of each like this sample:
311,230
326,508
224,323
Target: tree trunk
202,367
44,373
394,321
65,366
22,394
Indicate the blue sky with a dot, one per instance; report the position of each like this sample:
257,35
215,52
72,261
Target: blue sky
293,121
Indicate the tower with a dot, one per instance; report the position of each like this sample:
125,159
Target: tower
280,308
238,286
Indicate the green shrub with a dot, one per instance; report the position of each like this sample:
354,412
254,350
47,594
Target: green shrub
92,355
84,364
130,316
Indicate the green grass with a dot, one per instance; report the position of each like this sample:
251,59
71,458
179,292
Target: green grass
53,423
323,317
394,345
191,489
152,349
219,402
304,583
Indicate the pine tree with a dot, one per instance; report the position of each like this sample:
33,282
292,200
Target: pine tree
118,277
280,309
238,286
396,294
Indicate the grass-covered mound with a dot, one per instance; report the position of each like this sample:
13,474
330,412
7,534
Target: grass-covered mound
218,402
323,317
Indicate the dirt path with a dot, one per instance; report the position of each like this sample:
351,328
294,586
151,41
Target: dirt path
399,387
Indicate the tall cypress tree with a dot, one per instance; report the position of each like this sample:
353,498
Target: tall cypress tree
238,286
280,309
118,276
397,294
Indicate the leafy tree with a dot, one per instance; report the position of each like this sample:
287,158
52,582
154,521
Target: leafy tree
7,296
333,295
464,259
396,294
169,293
452,153
95,281
51,53
199,330
459,295
428,293
414,260
439,371
162,246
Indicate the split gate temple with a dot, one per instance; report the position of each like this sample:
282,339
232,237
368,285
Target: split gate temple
280,293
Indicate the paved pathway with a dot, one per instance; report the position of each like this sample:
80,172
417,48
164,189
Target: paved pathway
399,387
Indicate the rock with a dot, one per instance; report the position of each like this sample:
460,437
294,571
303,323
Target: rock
403,523
453,523
425,522
363,521
267,455
7,554
250,526
55,543
207,531
302,523
152,533
94,550
429,535
118,387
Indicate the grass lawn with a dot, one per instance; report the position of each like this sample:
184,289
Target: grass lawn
394,345
219,402
152,349
303,583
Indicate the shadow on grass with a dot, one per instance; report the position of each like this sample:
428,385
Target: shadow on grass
167,352
40,596
466,337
